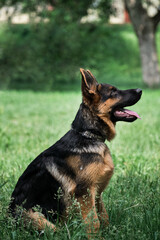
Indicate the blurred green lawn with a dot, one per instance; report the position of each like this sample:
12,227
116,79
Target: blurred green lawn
32,121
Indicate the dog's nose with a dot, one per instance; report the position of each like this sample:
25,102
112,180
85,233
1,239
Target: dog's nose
138,90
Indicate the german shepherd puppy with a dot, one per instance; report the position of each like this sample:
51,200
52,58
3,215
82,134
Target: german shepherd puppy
80,163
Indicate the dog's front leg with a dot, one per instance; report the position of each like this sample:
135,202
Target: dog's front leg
38,220
88,211
102,213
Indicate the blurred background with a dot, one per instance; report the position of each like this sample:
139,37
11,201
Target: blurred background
44,43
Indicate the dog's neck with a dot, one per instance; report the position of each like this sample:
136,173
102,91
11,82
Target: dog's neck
89,125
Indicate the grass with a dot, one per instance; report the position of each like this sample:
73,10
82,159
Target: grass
31,122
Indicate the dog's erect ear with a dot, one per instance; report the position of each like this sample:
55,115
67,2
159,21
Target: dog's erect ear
89,83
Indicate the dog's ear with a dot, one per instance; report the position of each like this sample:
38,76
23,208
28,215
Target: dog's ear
89,84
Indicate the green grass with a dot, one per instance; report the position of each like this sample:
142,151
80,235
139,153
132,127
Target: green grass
31,122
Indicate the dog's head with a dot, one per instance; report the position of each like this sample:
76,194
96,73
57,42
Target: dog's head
108,102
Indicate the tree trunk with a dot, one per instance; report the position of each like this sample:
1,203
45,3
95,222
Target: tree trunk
149,59
145,28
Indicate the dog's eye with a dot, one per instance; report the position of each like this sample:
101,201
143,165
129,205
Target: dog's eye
113,93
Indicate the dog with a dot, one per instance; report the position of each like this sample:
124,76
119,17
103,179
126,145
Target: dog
79,164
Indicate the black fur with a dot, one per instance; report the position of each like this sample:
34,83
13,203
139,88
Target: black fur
37,186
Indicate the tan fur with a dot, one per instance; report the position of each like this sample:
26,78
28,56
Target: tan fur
105,107
97,175
102,213
106,172
74,162
67,183
111,126
103,112
88,211
37,220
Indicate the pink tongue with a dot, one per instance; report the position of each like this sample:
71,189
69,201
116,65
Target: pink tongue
132,113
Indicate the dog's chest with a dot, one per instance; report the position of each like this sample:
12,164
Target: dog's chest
93,166
105,172
99,169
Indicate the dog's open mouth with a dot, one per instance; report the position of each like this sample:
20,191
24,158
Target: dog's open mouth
121,114
125,113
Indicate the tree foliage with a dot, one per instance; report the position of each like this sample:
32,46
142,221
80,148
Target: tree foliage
73,9
49,46
46,51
